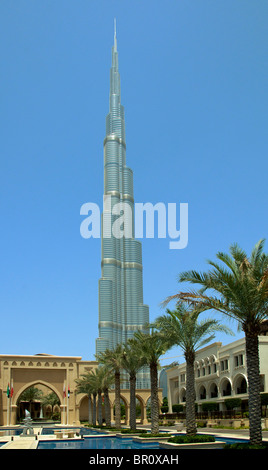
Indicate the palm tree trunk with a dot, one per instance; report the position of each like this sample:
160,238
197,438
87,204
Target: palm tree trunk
132,420
107,408
117,400
154,399
94,409
254,398
190,395
99,408
89,410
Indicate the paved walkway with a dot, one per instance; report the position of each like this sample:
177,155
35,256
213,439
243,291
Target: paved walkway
17,442
21,443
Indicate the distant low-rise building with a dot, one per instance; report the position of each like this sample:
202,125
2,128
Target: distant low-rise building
220,373
56,374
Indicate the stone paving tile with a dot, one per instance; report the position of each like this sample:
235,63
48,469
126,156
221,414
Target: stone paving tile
28,443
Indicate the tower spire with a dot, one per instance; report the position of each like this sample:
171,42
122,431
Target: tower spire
115,40
121,307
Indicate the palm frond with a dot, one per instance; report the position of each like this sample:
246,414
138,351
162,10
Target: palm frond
228,261
237,253
257,252
182,327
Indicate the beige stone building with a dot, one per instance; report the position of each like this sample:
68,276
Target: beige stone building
220,373
54,373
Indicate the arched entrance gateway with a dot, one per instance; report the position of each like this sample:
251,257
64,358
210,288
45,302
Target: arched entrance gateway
41,400
54,375
44,373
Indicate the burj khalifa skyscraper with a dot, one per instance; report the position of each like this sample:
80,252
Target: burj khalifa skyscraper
121,307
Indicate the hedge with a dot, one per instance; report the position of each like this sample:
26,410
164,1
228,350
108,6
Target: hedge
191,439
210,406
177,408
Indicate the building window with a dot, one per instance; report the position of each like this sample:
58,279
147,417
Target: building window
209,370
239,360
176,384
204,371
224,365
182,377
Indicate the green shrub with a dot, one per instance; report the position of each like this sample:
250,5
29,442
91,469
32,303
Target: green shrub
154,435
264,399
164,409
245,445
201,424
210,406
232,403
130,431
191,439
111,428
177,408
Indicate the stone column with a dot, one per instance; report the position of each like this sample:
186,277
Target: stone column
5,415
63,409
13,414
144,419
76,421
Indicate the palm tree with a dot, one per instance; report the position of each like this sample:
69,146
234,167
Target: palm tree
87,385
31,394
152,345
94,407
241,287
106,378
84,386
50,399
97,377
99,387
183,329
112,359
132,363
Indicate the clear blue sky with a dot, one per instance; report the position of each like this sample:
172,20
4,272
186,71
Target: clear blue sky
194,87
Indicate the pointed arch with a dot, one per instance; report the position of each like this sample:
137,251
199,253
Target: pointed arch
36,382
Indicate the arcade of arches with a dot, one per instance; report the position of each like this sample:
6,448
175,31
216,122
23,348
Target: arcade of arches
54,374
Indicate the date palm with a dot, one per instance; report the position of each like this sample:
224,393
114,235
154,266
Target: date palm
183,328
31,394
151,346
86,385
94,405
112,359
51,399
98,375
106,378
100,380
132,362
239,289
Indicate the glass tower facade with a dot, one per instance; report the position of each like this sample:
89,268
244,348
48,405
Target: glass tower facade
121,307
